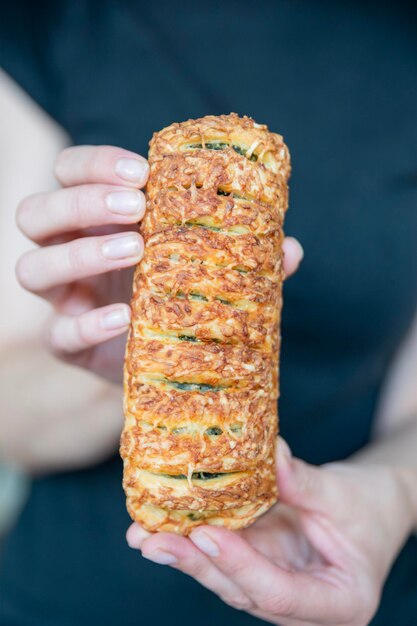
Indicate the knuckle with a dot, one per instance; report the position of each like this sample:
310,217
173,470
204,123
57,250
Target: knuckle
77,203
239,568
239,602
52,336
77,258
198,569
278,604
24,272
304,477
59,164
23,212
65,335
93,164
83,332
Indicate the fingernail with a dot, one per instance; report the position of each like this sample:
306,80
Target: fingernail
161,557
125,247
205,543
124,202
300,248
132,170
115,319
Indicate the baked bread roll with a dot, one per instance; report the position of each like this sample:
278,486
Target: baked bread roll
201,367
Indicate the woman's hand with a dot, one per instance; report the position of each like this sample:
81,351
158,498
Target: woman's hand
320,556
88,245
87,233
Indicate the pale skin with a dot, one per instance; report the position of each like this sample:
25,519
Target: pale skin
44,425
322,554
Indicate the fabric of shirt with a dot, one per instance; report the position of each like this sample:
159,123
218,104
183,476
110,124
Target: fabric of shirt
338,80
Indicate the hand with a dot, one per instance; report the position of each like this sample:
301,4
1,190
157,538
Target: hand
320,556
87,233
40,433
88,248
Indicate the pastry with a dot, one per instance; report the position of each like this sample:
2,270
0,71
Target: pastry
201,367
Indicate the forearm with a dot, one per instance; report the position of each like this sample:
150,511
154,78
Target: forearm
396,451
398,447
54,416
394,442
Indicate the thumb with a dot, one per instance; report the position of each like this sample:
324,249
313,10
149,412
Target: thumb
305,486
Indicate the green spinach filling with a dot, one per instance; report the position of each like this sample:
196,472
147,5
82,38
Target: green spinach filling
214,430
221,192
190,338
223,301
197,296
196,475
203,226
221,145
179,430
192,386
192,296
216,145
194,516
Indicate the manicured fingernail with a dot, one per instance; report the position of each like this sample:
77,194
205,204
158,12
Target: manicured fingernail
132,169
124,247
298,245
124,202
161,557
118,318
205,543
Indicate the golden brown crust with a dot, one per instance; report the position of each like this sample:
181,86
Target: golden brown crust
222,366
223,492
180,521
201,320
234,431
231,212
201,369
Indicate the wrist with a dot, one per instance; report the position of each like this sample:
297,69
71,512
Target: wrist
406,479
397,488
395,515
389,493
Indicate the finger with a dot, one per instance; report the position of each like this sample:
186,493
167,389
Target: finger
272,590
290,548
100,358
69,335
44,268
179,552
305,486
136,535
293,255
320,497
101,164
45,215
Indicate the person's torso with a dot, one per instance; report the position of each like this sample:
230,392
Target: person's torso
338,81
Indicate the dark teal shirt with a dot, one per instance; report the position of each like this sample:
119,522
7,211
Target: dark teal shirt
339,81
